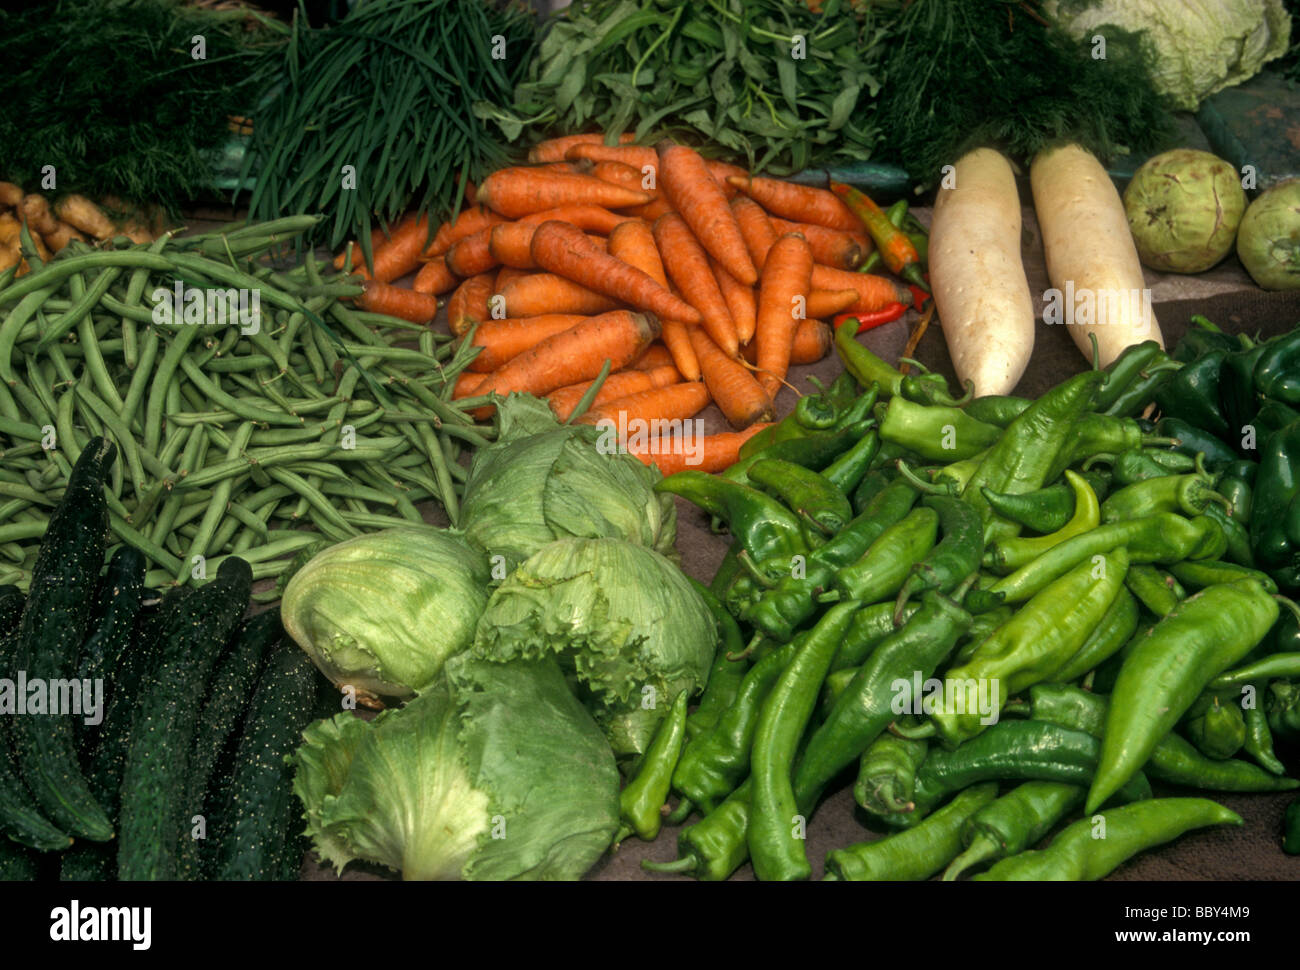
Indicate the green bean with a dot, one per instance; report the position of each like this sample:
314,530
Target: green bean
67,437
11,508
232,365
217,506
195,450
162,381
14,322
85,302
12,454
134,312
19,429
54,273
140,378
249,412
171,449
15,531
133,537
318,470
125,440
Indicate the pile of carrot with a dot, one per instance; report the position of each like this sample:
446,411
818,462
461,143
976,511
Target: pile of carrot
695,281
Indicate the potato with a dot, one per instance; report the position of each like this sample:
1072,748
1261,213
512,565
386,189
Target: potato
977,277
1091,259
80,213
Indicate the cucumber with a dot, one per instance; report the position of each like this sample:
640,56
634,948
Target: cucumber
117,609
17,863
53,627
11,611
20,820
192,632
223,710
258,839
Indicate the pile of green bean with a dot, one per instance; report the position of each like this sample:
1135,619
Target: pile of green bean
234,435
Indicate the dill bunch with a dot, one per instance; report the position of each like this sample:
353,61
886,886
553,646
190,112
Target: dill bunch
108,92
965,73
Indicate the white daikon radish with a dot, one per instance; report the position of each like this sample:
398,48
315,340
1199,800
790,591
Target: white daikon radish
978,280
1097,281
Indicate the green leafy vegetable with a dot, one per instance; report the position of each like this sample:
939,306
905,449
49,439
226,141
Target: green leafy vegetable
495,773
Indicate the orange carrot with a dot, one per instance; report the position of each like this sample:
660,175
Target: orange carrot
471,256
740,397
467,384
874,292
563,249
400,253
434,277
651,211
541,293
812,342
833,247
590,218
712,453
507,273
470,221
783,292
565,399
573,355
721,171
739,299
755,227
634,243
397,301
688,265
677,338
695,193
553,149
515,192
511,244
469,304
503,340
676,402
656,355
358,260
635,156
624,175
803,203
830,303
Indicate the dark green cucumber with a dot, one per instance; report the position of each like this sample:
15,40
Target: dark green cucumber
191,634
59,603
17,863
223,711
11,609
116,612
258,838
20,819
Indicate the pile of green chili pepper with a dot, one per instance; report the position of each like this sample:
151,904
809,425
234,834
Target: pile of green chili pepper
1051,601
235,430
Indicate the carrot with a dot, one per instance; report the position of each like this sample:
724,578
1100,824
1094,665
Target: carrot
721,171
634,156
711,453
471,256
511,244
553,149
503,340
874,292
624,175
397,301
466,384
688,264
677,338
507,273
515,192
541,293
756,228
646,412
590,218
785,284
812,342
695,193
651,211
802,203
358,261
833,247
830,303
434,277
400,253
470,221
739,299
573,355
563,249
656,355
565,399
740,397
469,304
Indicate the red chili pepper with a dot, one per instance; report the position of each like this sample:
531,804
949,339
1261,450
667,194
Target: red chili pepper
895,248
866,321
919,296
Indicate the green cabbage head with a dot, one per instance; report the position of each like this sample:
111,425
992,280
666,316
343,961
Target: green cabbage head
495,772
1201,46
541,481
383,612
625,623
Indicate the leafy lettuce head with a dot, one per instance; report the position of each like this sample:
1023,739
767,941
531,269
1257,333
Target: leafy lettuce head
624,621
542,481
383,612
496,772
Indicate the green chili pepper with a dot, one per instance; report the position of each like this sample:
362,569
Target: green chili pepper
815,451
933,432
1199,575
714,847
870,628
870,369
1259,739
883,568
776,828
793,600
645,794
1237,391
817,503
1012,553
956,557
1125,369
919,852
872,484
998,410
1205,634
1271,417
1087,851
886,682
1240,496
726,675
846,471
1186,494
1047,509
1201,338
1277,371
1105,434
1284,710
1192,394
1217,730
981,628
1173,760
1015,822
814,412
1277,494
887,774
1139,464
1140,394
1274,665
1193,441
1035,643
